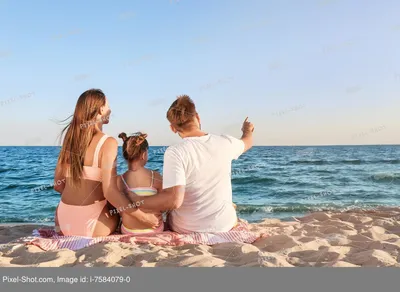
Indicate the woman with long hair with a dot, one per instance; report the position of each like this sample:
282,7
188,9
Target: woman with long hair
86,168
196,174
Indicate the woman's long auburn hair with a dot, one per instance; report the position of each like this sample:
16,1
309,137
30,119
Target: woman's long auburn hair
79,133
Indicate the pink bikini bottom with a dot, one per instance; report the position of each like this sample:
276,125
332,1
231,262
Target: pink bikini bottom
79,220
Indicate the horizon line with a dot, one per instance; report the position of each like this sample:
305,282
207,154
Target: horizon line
322,145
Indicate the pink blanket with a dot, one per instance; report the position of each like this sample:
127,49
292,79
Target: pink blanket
48,239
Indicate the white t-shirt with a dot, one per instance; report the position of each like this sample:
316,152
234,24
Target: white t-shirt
203,165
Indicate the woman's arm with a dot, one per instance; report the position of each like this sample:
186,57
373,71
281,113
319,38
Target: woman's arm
59,179
110,186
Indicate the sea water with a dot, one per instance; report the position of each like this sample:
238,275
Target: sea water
278,182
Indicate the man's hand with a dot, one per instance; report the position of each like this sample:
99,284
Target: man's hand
145,216
247,136
247,127
152,220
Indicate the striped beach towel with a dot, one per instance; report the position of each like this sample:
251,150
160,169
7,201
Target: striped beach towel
48,239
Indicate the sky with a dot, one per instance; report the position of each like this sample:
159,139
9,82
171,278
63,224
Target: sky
305,72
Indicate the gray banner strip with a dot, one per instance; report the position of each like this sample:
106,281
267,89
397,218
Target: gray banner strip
199,279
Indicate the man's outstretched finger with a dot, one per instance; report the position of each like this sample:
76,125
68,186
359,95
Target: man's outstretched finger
246,119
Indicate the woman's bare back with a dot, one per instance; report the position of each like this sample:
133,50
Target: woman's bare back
89,191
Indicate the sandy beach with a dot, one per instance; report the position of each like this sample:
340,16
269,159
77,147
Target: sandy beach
354,238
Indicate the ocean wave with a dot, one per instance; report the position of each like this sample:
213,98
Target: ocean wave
11,187
277,169
322,171
325,162
253,180
351,161
385,178
10,169
392,161
44,220
389,161
345,161
250,209
313,162
50,209
300,208
28,187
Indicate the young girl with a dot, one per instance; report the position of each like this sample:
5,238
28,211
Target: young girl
140,180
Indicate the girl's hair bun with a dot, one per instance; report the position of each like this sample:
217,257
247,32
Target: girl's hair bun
134,145
123,136
140,138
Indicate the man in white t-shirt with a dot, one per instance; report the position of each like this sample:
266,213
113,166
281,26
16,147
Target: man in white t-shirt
196,176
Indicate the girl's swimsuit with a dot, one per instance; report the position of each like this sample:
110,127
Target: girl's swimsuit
81,220
142,191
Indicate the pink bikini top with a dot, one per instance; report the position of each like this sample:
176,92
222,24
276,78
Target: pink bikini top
94,172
